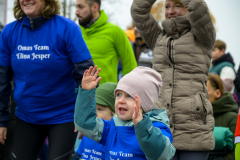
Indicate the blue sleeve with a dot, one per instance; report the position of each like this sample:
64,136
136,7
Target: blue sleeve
75,45
105,131
85,117
159,137
164,129
80,148
5,53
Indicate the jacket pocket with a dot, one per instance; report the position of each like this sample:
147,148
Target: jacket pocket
200,108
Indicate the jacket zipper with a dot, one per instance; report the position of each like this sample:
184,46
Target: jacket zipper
170,45
170,50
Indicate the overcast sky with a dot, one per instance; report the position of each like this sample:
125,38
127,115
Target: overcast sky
225,12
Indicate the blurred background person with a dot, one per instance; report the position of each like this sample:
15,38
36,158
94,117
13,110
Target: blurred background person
225,110
1,26
237,80
142,52
223,65
106,41
130,35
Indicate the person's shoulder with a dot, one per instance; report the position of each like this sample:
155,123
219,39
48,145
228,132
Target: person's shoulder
68,22
10,26
230,116
113,27
159,115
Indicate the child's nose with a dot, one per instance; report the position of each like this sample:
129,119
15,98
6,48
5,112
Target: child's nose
122,100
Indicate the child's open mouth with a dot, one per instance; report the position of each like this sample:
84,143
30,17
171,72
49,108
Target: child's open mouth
122,110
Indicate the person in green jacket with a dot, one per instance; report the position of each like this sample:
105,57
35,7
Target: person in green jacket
223,65
106,41
225,108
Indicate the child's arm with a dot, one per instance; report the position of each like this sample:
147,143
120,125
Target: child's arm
85,117
155,143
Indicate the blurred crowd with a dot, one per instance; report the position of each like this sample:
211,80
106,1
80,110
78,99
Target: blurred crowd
94,91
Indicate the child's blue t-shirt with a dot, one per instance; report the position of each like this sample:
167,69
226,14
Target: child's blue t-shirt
43,60
90,149
121,142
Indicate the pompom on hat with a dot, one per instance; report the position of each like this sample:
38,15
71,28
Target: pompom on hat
144,82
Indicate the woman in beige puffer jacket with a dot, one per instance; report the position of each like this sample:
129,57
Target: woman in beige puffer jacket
181,54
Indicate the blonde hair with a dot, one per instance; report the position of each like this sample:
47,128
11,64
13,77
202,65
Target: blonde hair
50,8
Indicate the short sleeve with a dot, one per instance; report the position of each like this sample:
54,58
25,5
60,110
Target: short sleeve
75,44
5,53
80,148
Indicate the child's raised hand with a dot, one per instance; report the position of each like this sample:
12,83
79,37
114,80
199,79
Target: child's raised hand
137,114
90,80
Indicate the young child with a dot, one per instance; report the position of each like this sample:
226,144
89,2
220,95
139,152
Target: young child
237,139
130,134
105,109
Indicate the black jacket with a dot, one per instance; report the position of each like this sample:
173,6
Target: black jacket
237,80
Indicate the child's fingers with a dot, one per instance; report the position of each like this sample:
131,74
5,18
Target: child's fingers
138,103
89,70
93,71
134,113
96,74
136,110
85,73
98,79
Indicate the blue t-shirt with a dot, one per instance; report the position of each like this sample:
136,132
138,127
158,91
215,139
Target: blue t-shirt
121,142
42,60
90,149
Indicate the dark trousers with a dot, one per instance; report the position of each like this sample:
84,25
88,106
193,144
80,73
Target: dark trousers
191,155
29,139
5,150
77,156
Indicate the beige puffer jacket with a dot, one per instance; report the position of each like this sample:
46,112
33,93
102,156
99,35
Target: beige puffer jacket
181,54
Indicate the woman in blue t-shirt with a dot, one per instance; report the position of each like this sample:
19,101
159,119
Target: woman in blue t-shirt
48,56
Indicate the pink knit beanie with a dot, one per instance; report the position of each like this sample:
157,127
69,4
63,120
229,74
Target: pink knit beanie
144,82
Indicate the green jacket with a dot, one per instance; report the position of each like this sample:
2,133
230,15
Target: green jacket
225,112
218,68
106,43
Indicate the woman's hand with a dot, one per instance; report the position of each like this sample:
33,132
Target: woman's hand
137,114
90,79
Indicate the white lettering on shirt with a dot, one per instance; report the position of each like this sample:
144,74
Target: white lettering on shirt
87,150
40,48
24,48
95,158
22,56
33,56
40,56
97,153
84,155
